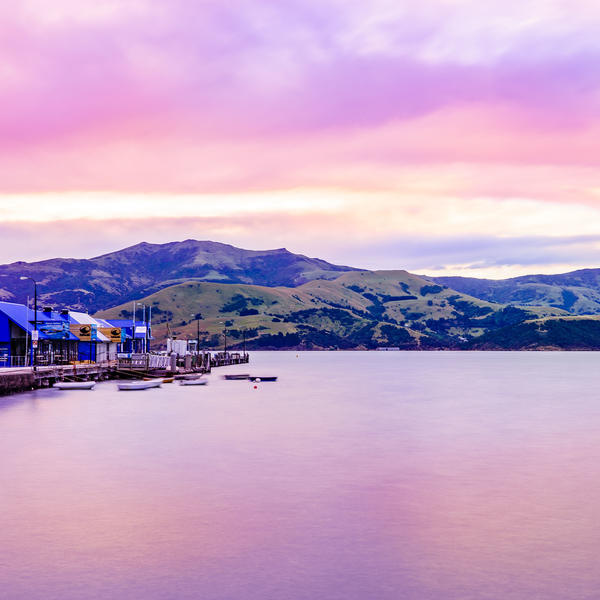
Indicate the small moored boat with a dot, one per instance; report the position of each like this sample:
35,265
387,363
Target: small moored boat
74,385
198,381
258,379
139,385
236,376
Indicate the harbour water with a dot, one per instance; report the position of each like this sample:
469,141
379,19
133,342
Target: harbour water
368,476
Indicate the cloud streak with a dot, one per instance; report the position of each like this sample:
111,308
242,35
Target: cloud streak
489,255
267,69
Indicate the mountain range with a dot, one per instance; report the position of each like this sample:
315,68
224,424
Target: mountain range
110,279
279,299
577,292
358,309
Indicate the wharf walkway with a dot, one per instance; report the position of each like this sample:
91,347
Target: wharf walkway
18,379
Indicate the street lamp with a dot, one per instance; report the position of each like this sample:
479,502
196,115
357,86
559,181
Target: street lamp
23,278
225,334
144,322
197,317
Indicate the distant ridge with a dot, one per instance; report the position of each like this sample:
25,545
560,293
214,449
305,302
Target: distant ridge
144,268
577,292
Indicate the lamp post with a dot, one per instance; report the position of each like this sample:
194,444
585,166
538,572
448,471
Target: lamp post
224,323
144,322
148,329
23,278
198,336
197,317
133,330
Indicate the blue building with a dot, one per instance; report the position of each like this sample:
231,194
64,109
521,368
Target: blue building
55,345
64,337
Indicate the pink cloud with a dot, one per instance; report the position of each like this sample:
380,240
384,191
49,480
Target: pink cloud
198,97
467,152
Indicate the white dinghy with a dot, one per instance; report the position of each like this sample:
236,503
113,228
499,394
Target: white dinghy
74,385
198,381
139,385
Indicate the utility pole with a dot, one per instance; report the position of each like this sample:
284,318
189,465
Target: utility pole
197,317
145,324
133,332
149,320
198,336
36,336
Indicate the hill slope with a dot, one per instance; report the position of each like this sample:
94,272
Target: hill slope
577,292
96,283
358,309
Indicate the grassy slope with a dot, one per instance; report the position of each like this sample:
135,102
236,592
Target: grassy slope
578,292
358,309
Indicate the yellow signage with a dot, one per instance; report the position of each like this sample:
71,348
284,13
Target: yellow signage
112,333
85,333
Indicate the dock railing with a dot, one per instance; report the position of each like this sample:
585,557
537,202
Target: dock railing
145,362
15,361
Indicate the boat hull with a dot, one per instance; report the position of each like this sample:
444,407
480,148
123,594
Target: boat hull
163,379
139,385
75,385
193,382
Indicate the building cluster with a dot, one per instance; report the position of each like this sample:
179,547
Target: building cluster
65,337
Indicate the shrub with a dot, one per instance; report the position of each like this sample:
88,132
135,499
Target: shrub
430,289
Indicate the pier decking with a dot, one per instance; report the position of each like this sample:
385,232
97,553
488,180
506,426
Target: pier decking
20,379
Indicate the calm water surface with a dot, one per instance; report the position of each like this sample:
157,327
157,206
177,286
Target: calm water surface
355,476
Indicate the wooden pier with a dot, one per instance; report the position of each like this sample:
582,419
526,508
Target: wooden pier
137,366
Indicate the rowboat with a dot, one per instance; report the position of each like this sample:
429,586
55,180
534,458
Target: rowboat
198,381
139,385
236,376
258,379
163,379
75,385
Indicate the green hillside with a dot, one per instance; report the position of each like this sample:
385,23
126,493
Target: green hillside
577,292
359,309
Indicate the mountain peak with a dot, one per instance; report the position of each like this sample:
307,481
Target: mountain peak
145,267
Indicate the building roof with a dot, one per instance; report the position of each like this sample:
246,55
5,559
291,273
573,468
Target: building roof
120,322
85,319
23,317
140,327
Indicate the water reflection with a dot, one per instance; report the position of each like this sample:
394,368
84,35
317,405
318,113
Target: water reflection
357,475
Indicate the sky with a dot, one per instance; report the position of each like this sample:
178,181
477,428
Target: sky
448,137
